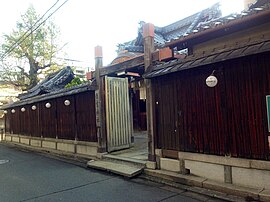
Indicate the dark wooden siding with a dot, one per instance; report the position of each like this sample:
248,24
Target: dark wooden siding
76,121
34,119
15,121
66,118
7,121
48,119
227,119
24,120
86,116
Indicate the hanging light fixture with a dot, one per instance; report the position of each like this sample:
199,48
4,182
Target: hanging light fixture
211,81
5,111
67,102
34,107
22,109
48,105
13,111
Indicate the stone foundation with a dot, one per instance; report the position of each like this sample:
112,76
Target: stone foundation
50,144
242,172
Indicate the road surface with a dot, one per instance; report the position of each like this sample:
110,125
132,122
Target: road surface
29,176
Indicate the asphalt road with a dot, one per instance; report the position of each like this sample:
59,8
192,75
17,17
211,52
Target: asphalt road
28,176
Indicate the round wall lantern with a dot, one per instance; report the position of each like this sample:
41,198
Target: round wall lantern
34,107
13,111
22,109
211,81
5,111
48,105
67,102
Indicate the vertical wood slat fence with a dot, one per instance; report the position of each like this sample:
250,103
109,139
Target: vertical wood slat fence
229,119
76,121
118,114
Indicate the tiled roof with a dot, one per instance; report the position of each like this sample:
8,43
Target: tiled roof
219,22
54,82
174,30
52,95
217,56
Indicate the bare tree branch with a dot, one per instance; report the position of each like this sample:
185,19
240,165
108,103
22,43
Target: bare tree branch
45,66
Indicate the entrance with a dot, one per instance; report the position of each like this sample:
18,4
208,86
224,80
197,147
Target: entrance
118,113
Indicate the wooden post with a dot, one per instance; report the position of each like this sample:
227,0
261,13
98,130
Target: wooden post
99,97
148,35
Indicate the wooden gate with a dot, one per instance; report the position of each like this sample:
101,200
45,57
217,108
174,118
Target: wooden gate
118,113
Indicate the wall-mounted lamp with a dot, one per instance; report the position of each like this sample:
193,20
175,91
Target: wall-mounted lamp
13,111
48,105
67,102
34,107
211,81
22,109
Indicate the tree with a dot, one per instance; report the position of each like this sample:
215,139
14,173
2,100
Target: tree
32,55
75,82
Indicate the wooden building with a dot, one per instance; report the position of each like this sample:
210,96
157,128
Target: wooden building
207,101
50,116
130,60
87,119
219,132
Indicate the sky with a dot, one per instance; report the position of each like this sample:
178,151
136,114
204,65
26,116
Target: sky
85,24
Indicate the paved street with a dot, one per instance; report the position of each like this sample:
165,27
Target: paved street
28,176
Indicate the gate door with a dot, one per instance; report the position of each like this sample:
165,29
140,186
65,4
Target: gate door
118,113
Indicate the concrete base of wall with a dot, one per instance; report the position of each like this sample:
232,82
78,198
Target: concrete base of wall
241,172
35,142
86,149
25,141
151,165
15,139
170,164
49,144
207,170
80,148
7,138
65,146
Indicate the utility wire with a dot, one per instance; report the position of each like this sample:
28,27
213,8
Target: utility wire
23,38
16,43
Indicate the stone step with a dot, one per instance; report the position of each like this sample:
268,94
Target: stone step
116,167
126,160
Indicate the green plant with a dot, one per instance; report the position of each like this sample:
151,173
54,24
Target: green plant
74,82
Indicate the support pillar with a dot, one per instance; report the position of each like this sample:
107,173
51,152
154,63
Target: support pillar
99,99
148,36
